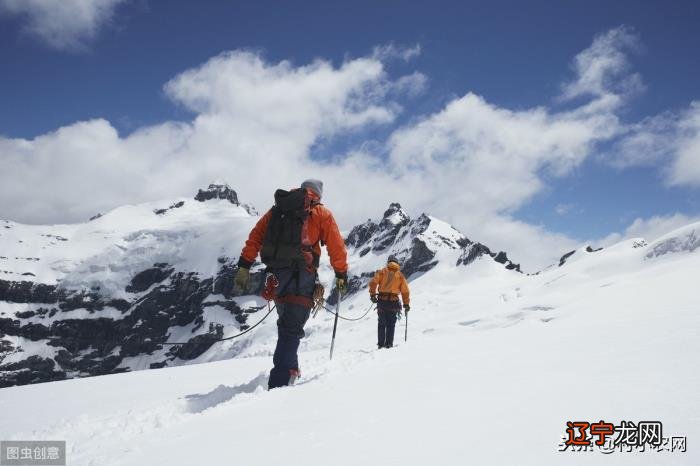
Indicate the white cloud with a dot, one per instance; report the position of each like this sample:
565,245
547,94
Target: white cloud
62,24
255,124
392,51
670,140
645,143
685,169
495,152
308,101
650,228
602,70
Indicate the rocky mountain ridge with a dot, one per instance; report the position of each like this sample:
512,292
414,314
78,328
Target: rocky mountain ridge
109,310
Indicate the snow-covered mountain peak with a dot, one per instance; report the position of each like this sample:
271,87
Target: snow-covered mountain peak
395,215
419,244
684,239
222,191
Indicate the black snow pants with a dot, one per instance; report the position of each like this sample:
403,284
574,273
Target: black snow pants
387,312
290,322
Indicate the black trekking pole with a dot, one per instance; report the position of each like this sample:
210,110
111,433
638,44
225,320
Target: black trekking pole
335,324
405,335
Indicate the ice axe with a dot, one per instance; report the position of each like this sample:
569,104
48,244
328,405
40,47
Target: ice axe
405,334
335,324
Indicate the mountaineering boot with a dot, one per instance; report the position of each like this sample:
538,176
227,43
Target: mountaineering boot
294,374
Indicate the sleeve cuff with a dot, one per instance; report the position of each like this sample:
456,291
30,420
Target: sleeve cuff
244,264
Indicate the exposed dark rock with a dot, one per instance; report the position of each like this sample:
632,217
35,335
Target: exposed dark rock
5,347
252,211
30,370
177,205
475,250
390,226
96,216
361,234
420,259
149,277
31,331
119,304
28,292
90,300
472,252
199,344
512,266
217,191
563,258
590,249
97,345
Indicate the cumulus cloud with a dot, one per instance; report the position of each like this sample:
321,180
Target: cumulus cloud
494,153
670,140
475,163
62,24
685,169
256,124
602,71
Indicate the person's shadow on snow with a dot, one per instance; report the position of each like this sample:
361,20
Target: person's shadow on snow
198,402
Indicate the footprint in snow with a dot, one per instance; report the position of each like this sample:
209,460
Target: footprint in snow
469,323
538,308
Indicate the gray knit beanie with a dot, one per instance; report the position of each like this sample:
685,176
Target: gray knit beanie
314,185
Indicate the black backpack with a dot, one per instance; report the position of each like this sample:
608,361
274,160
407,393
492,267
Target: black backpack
282,245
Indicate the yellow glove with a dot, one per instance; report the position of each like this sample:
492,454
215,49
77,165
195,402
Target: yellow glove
341,282
241,279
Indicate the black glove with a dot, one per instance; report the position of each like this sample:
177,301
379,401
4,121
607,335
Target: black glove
406,308
373,298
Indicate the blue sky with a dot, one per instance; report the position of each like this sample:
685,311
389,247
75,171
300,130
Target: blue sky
514,55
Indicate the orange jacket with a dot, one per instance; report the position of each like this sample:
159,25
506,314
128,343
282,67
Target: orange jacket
321,227
390,280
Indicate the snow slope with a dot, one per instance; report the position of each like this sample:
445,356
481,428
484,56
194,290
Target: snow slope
109,250
495,364
104,296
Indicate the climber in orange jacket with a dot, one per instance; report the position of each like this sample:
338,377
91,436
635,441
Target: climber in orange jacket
384,290
288,238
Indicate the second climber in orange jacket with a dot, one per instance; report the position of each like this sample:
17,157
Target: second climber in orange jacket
384,289
288,238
